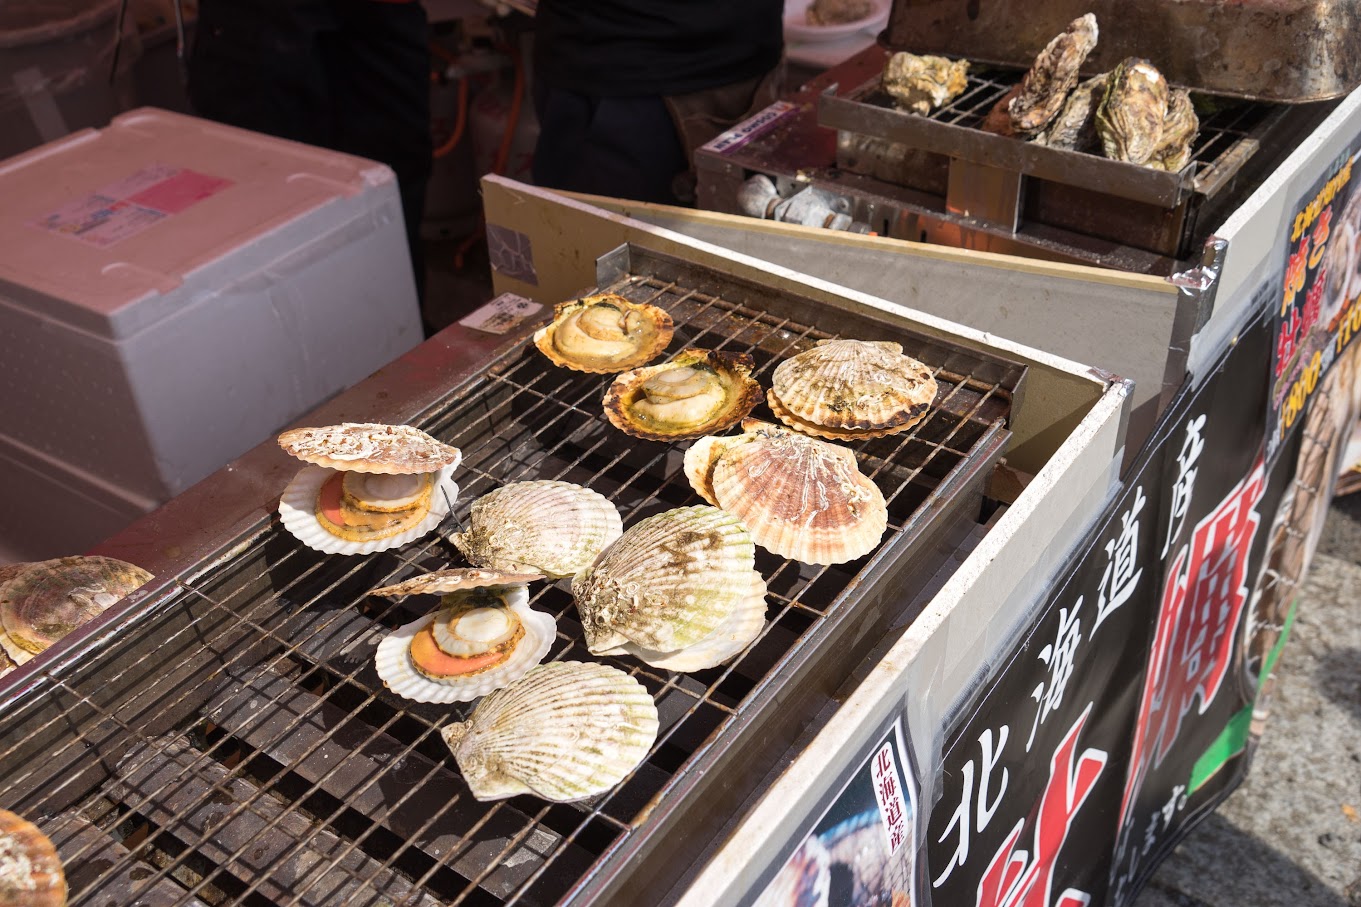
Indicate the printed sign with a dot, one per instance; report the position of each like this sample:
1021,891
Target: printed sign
751,128
501,314
132,205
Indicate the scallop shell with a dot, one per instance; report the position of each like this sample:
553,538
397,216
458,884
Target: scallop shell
669,582
724,394
393,660
854,385
799,497
565,731
553,527
605,334
51,598
30,871
831,434
297,509
454,580
370,447
742,626
701,457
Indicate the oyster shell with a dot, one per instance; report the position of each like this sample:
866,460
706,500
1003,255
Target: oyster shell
301,511
923,83
51,598
565,731
698,392
370,447
852,386
30,870
1130,117
1074,129
672,581
484,637
556,528
799,497
604,334
1178,133
1046,85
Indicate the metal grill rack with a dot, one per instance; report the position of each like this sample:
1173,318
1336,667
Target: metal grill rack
232,744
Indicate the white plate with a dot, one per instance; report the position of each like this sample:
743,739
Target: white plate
796,27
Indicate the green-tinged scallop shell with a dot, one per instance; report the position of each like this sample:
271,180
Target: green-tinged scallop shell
604,334
555,528
669,582
742,626
853,386
51,598
1130,117
565,731
30,870
696,393
456,579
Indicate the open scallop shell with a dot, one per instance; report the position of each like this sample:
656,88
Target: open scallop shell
604,334
297,509
703,454
393,661
49,599
554,527
30,870
698,392
669,582
565,731
456,579
12,655
743,625
799,497
370,447
854,385
831,434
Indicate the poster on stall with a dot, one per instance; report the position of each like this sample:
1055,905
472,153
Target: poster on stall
1031,777
1316,316
859,851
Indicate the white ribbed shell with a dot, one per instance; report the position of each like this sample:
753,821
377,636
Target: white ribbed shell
565,731
555,528
854,385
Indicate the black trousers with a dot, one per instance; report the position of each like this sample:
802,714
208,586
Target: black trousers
350,75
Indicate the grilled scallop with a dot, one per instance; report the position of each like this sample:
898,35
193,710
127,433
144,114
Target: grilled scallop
605,334
370,447
30,871
696,393
852,388
552,527
49,599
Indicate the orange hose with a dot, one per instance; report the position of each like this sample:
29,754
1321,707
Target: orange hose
516,98
460,122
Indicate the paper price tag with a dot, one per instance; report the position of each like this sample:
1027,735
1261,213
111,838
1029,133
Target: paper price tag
501,314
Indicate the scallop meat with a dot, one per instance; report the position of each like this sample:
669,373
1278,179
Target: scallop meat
697,393
546,526
854,386
605,334
565,731
30,870
51,598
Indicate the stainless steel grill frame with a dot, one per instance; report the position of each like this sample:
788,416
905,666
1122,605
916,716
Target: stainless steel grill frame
232,744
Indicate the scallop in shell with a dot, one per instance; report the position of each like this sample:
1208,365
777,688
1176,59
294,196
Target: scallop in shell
302,508
484,637
800,498
30,871
852,386
673,581
553,527
565,731
696,393
51,598
370,447
604,334
11,655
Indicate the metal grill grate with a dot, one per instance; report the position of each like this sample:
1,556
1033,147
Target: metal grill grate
233,745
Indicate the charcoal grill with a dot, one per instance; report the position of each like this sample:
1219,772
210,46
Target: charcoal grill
224,738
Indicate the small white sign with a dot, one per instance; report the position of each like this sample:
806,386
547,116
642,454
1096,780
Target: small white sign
750,128
501,314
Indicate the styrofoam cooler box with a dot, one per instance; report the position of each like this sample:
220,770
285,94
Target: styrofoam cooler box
174,291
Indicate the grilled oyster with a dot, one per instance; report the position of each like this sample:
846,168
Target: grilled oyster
851,388
696,393
484,636
1130,117
1178,133
837,12
604,334
1074,129
554,527
678,580
923,83
1046,85
49,599
799,497
30,871
565,731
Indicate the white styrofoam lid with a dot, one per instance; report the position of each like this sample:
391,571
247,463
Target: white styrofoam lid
98,220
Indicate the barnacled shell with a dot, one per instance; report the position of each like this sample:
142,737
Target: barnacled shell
799,497
565,731
556,528
697,392
370,447
298,513
1074,129
836,12
1178,133
923,83
1053,74
672,581
604,334
1130,117
51,598
853,385
30,870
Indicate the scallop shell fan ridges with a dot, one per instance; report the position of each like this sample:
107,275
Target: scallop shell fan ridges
49,599
854,385
547,526
370,447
